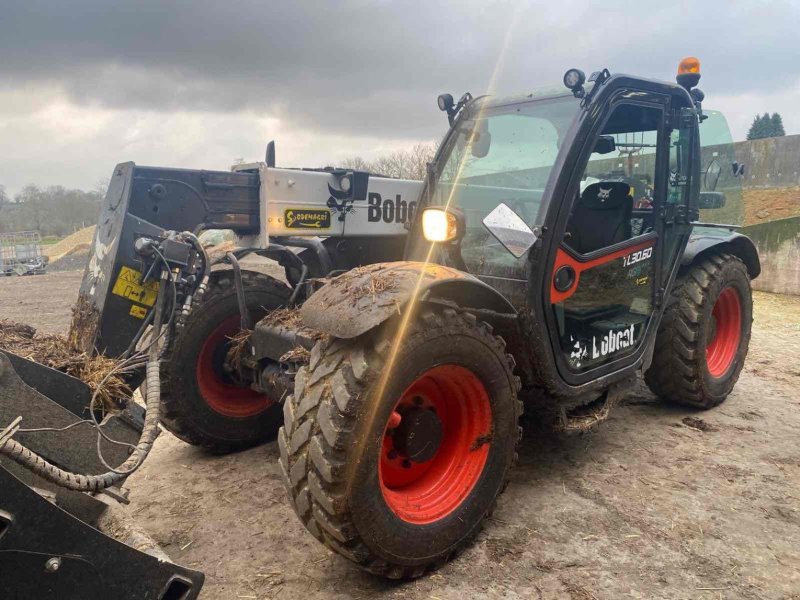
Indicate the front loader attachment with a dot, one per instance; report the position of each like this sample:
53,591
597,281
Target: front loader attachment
146,201
52,544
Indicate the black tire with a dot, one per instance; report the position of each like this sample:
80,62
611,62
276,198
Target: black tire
332,441
187,412
680,371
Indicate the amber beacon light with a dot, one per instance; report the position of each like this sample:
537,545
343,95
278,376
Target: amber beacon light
688,72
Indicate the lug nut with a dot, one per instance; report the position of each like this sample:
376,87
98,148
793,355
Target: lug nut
394,420
406,463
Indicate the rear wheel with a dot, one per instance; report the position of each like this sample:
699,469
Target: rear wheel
704,335
397,475
202,404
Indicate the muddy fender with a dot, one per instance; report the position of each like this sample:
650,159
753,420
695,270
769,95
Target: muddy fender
704,242
359,300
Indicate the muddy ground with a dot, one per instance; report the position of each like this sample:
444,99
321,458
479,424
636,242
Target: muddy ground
659,502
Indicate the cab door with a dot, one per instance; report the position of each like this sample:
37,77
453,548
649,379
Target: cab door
605,278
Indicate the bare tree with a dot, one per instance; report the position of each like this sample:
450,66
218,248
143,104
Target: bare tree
354,162
101,187
54,210
403,164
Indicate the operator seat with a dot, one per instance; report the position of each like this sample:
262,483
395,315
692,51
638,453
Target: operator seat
601,217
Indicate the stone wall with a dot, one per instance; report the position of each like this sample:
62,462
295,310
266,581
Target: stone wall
778,244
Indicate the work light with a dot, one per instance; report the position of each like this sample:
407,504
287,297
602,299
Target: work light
445,102
574,79
439,225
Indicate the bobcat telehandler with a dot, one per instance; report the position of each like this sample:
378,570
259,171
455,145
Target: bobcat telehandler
539,271
561,246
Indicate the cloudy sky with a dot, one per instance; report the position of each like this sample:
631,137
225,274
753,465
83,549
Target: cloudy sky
89,83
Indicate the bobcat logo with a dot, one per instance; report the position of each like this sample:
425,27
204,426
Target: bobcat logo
340,202
579,352
603,195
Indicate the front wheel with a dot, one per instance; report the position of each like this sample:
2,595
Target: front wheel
394,459
202,404
704,335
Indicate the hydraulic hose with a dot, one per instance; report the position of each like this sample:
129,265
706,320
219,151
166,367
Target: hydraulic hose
95,483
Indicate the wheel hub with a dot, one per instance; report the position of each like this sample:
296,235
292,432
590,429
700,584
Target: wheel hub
432,454
419,435
218,388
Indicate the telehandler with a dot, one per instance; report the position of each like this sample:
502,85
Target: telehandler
562,245
529,278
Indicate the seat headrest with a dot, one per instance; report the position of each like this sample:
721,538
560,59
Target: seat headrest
606,195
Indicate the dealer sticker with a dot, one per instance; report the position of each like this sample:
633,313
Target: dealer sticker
302,218
128,286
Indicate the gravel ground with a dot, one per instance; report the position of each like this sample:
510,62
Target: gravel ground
659,502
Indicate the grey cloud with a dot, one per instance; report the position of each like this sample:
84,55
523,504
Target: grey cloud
360,68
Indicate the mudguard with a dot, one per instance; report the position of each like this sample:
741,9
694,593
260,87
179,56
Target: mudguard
363,298
704,239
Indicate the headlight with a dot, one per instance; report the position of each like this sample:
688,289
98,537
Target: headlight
439,225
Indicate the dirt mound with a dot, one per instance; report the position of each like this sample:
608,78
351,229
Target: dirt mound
81,238
75,261
769,204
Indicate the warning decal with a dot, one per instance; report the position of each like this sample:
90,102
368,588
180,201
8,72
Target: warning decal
128,286
138,312
301,218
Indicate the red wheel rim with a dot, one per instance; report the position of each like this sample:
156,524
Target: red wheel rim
721,350
218,390
424,492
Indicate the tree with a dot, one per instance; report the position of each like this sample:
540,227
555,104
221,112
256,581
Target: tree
404,164
34,206
54,210
765,126
777,125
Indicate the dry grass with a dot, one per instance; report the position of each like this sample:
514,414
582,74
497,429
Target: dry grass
297,354
82,330
586,417
375,284
283,317
55,352
238,347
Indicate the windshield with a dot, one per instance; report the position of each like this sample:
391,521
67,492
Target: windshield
501,154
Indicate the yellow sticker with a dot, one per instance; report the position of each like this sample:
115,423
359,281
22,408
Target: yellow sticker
301,218
138,311
128,286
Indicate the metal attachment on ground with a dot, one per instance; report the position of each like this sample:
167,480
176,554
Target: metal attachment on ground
9,431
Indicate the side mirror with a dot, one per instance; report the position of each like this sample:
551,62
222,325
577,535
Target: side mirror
605,144
713,172
737,168
711,200
480,144
480,139
510,230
